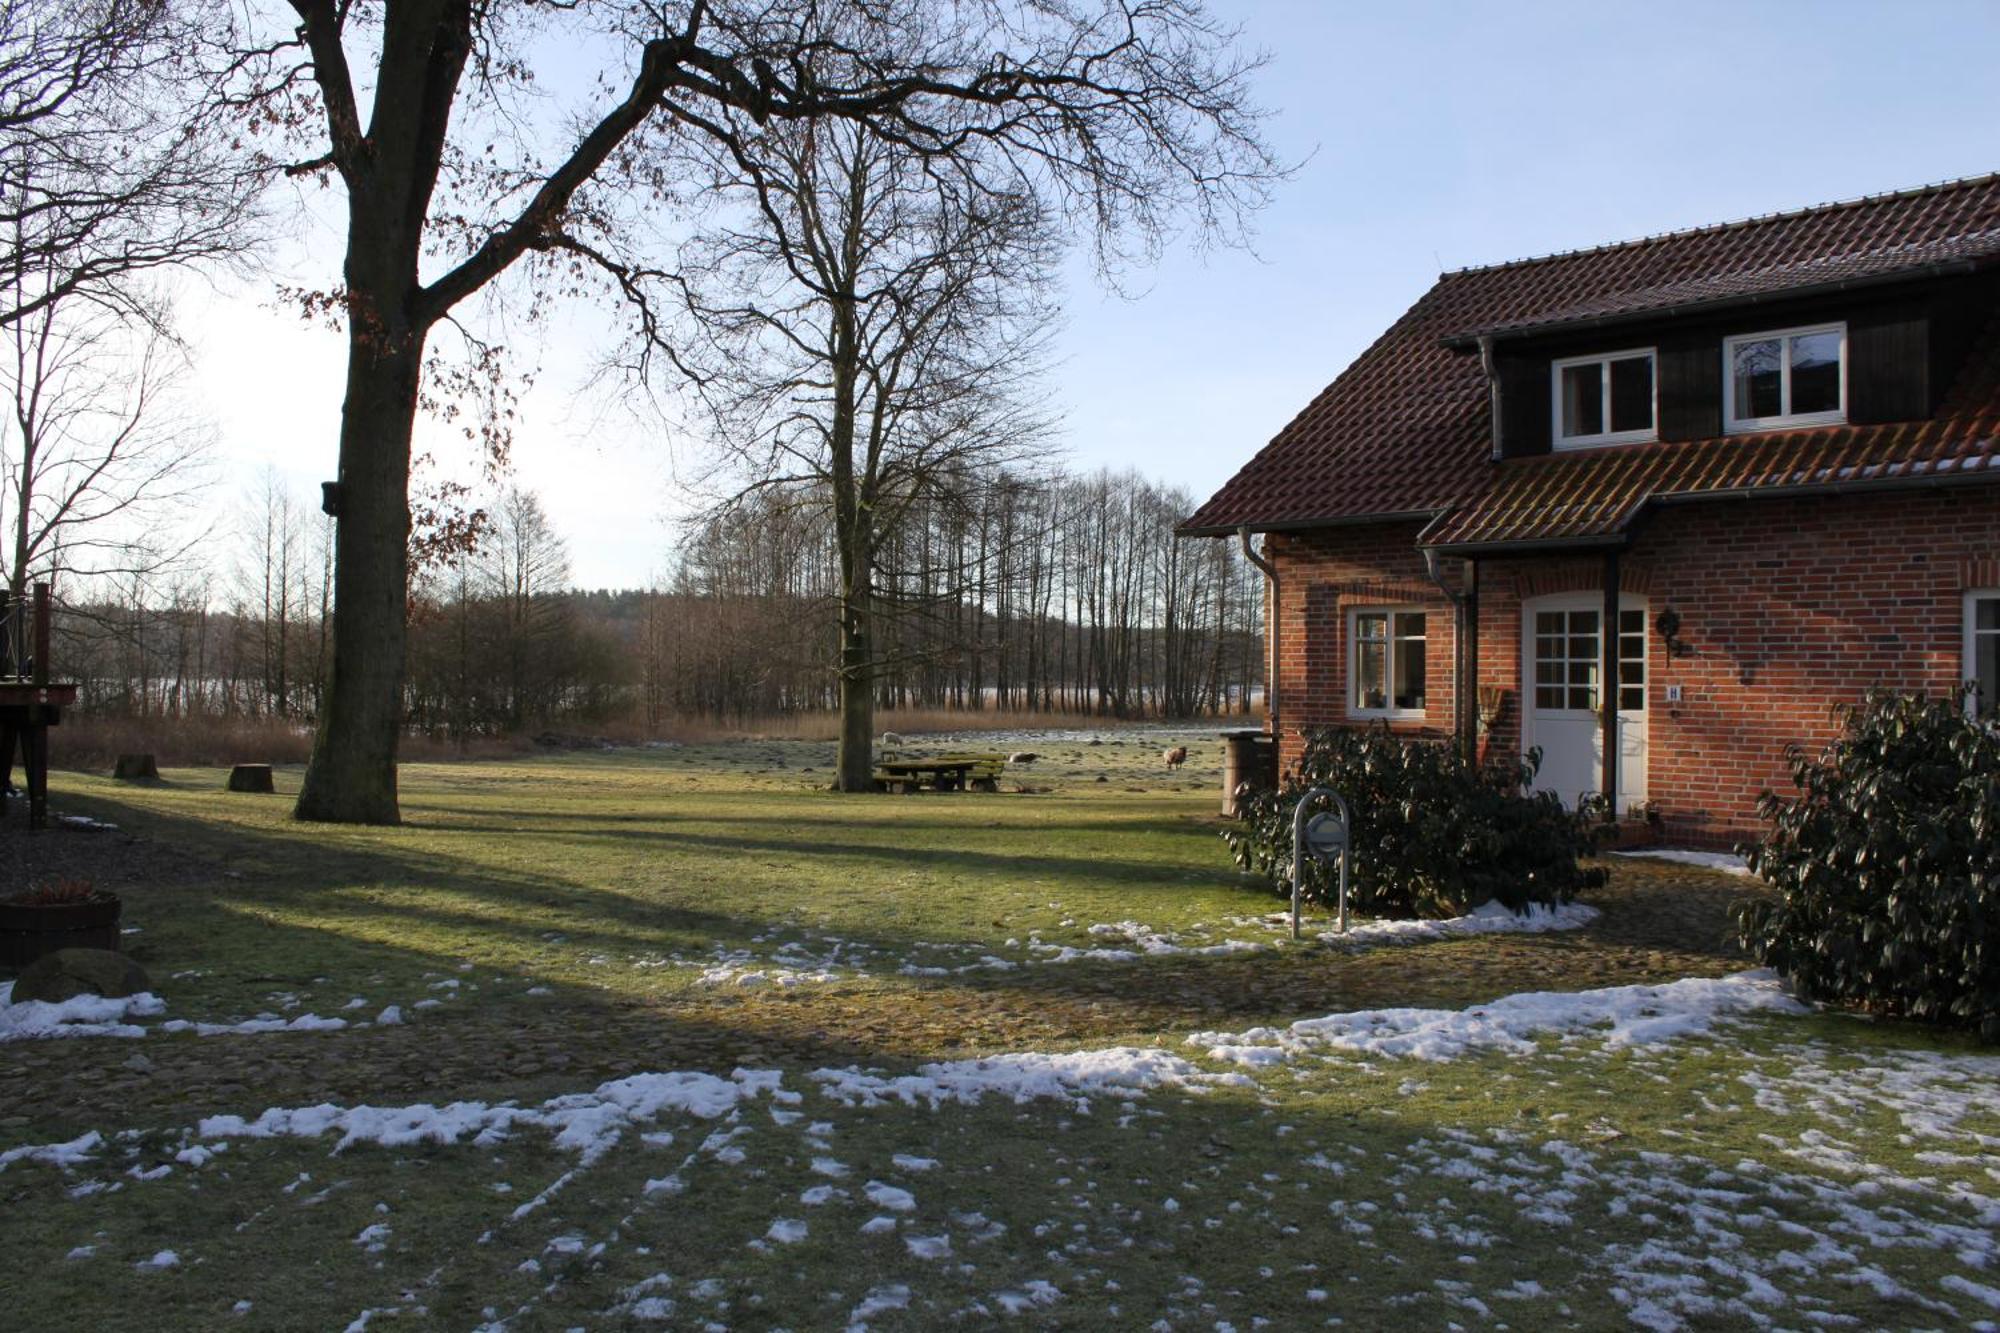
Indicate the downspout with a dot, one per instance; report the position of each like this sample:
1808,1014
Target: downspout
1492,374
1465,647
1275,628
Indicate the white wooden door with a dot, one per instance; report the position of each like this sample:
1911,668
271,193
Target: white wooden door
1562,658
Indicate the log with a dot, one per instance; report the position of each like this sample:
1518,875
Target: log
136,768
251,777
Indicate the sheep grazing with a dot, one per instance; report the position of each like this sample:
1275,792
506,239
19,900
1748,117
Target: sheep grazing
1175,757
1022,758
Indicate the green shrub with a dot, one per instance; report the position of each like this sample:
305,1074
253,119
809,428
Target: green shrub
1888,867
1434,835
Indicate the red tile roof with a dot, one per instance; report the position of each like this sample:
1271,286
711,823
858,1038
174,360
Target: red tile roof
1406,429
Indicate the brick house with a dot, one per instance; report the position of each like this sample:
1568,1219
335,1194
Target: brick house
1764,452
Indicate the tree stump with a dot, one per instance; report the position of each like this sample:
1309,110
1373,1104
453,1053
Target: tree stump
136,768
251,777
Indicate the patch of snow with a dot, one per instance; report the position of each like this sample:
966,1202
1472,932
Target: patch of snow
929,1247
390,1016
903,1161
79,1016
1118,1071
1489,918
1634,1015
786,1231
1727,862
879,1300
72,1153
164,1259
891,1197
587,1123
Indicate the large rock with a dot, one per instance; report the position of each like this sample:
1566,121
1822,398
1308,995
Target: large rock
68,973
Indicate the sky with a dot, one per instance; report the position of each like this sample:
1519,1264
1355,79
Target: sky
1428,137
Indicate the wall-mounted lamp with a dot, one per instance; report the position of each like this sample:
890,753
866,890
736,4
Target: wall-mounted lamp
1668,623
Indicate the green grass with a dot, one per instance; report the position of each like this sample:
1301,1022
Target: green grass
576,900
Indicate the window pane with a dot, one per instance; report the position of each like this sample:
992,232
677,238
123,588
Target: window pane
1374,625
1548,622
1584,699
1986,613
1632,700
1755,378
1369,675
1631,622
1409,624
1632,393
1548,696
1583,399
1816,372
1410,670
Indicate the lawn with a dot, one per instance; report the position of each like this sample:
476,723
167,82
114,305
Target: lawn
673,1038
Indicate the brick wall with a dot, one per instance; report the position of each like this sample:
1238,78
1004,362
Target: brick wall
1327,573
1786,607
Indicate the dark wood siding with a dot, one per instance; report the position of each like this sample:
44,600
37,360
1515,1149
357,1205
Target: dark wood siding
1690,371
1524,405
1888,363
1959,314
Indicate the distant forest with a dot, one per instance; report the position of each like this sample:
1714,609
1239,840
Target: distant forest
1069,595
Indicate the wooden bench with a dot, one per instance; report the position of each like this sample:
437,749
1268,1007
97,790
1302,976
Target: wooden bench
949,772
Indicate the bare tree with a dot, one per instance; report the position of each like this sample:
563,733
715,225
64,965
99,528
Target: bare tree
100,453
864,328
1138,108
116,160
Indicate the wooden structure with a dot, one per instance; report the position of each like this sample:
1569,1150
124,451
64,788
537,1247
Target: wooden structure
29,702
951,772
251,778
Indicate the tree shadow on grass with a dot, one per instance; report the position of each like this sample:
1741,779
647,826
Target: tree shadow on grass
286,906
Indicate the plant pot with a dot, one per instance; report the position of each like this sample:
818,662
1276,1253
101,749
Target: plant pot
27,931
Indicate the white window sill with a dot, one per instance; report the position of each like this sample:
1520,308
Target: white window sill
1579,442
1387,714
1763,424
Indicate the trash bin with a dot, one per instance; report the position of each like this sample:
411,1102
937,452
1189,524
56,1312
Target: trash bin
1249,764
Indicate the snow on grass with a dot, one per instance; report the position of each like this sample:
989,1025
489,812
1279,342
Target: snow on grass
73,1153
79,1016
786,1231
929,1247
879,1300
1633,1015
1074,1076
1489,918
1728,863
588,1123
891,1197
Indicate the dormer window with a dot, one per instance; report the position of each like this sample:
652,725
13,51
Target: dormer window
1606,399
1786,378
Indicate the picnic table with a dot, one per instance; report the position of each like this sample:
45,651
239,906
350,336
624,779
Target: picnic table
948,772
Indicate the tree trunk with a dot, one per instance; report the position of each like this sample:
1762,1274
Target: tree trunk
352,776
854,766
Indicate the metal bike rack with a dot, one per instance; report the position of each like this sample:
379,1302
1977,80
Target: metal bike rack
1326,835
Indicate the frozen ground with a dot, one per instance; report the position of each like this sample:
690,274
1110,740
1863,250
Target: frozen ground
1690,1155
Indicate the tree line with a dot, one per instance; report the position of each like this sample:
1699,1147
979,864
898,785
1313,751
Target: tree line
1065,595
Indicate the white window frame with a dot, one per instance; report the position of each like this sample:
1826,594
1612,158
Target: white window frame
1390,712
1734,424
1561,441
1968,662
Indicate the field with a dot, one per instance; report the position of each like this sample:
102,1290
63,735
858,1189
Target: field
673,1038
